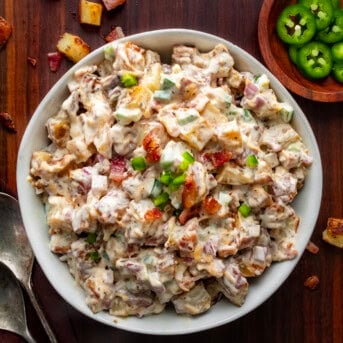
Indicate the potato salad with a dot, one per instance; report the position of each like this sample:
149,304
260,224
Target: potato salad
169,183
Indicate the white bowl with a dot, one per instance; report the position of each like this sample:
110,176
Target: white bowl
307,203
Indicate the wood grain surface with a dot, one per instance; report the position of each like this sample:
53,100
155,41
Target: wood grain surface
293,313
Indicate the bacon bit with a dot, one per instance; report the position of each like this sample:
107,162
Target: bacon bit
55,59
312,248
153,214
152,148
336,227
7,122
112,4
32,61
5,31
117,168
189,193
218,158
211,205
188,241
188,213
312,282
115,34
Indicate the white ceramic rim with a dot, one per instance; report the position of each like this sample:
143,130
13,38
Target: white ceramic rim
167,323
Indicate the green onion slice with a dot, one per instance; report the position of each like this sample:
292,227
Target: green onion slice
156,188
167,84
161,200
163,94
91,238
94,255
252,161
179,180
244,210
188,159
128,80
138,163
166,177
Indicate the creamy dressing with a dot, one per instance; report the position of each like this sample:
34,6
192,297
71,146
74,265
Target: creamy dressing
174,189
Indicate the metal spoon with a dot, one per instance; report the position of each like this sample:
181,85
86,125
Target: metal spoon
12,306
16,252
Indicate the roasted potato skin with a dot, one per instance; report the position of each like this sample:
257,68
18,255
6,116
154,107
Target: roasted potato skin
5,31
73,47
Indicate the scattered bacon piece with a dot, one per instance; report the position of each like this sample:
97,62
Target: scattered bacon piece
117,168
7,122
312,248
189,193
55,59
312,282
211,205
152,148
153,214
112,4
32,61
218,158
5,31
115,34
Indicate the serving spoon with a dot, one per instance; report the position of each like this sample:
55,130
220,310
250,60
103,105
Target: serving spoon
12,306
16,252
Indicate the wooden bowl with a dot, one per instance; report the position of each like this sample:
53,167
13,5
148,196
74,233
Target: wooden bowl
275,54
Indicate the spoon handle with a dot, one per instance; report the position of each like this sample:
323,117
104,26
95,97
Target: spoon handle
40,313
27,336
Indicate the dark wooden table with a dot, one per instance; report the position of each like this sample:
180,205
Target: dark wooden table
293,313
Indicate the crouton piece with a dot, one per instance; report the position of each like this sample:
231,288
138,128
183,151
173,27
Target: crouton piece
73,47
112,4
5,31
333,234
90,12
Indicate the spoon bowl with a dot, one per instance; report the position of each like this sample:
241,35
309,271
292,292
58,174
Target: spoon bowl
15,249
12,306
16,253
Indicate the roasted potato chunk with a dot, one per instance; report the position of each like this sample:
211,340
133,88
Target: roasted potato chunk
333,234
73,47
5,31
90,12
